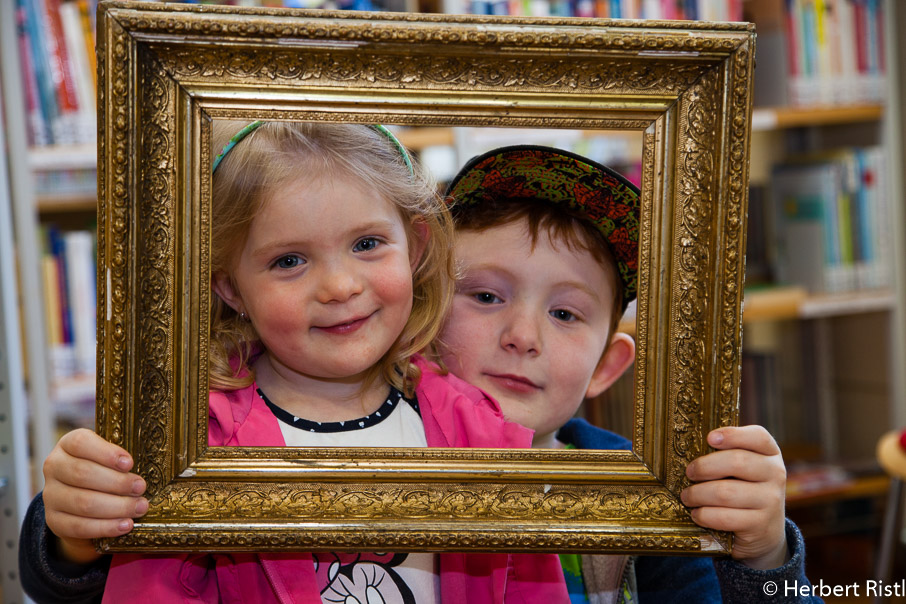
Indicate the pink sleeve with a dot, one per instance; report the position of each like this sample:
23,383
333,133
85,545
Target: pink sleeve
495,578
161,578
457,414
173,577
535,578
221,425
239,418
233,420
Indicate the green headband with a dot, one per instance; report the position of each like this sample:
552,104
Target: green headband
254,126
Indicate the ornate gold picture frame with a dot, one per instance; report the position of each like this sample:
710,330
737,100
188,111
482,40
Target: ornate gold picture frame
166,71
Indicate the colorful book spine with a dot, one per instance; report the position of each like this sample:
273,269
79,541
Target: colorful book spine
56,42
74,43
58,250
847,82
794,68
38,131
830,226
80,264
874,168
61,65
690,10
41,63
836,53
66,127
86,12
69,270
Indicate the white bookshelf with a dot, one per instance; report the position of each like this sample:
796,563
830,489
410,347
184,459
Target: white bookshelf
25,233
18,200
18,224
63,157
894,135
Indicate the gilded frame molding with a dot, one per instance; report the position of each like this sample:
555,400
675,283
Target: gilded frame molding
166,70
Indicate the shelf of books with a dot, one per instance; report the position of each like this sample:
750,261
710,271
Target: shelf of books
820,242
68,271
777,118
831,212
783,303
828,484
821,304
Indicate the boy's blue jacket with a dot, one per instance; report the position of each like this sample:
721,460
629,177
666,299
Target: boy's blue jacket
680,579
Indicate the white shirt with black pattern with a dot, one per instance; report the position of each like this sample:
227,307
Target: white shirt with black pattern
365,577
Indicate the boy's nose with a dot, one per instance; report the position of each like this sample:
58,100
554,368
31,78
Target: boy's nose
338,284
521,334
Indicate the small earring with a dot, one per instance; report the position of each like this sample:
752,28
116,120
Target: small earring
244,317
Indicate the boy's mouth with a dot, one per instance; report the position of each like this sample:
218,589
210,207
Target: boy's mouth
515,383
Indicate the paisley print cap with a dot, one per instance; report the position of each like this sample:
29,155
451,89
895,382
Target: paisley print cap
604,197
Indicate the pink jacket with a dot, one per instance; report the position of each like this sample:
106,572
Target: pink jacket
455,414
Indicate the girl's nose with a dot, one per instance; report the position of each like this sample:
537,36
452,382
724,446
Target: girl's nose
339,283
521,334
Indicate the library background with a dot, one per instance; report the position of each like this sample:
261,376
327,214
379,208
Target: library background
824,360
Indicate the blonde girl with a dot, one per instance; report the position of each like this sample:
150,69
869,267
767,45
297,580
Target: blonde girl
331,268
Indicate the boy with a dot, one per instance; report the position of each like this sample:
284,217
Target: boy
547,246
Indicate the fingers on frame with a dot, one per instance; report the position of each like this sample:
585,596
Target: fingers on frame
730,519
737,463
92,504
68,526
85,444
753,438
734,494
84,474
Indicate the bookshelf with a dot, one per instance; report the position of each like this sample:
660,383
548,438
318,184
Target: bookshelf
784,303
778,118
848,348
17,224
776,130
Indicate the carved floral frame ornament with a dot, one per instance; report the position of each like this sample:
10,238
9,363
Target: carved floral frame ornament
165,71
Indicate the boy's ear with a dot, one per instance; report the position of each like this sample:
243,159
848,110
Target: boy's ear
223,287
615,360
421,233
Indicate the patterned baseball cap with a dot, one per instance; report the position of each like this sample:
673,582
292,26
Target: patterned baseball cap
604,197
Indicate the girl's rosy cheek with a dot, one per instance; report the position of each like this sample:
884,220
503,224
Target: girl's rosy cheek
283,312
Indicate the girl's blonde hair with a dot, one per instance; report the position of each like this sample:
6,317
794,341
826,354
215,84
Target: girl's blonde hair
279,152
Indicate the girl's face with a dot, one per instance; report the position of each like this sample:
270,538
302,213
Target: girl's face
325,277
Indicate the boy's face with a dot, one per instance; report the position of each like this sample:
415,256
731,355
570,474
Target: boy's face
529,326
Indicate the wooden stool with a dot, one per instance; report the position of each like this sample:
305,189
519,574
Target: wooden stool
891,454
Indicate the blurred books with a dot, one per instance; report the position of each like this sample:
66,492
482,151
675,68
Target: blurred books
831,227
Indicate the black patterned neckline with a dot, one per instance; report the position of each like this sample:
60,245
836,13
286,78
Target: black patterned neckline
373,419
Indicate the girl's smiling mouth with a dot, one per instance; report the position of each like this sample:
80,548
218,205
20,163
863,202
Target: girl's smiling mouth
345,327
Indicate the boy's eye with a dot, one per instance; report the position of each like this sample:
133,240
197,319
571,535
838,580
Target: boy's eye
487,298
563,315
366,245
288,262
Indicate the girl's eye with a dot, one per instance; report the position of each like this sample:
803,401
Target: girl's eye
563,315
366,245
288,262
487,298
